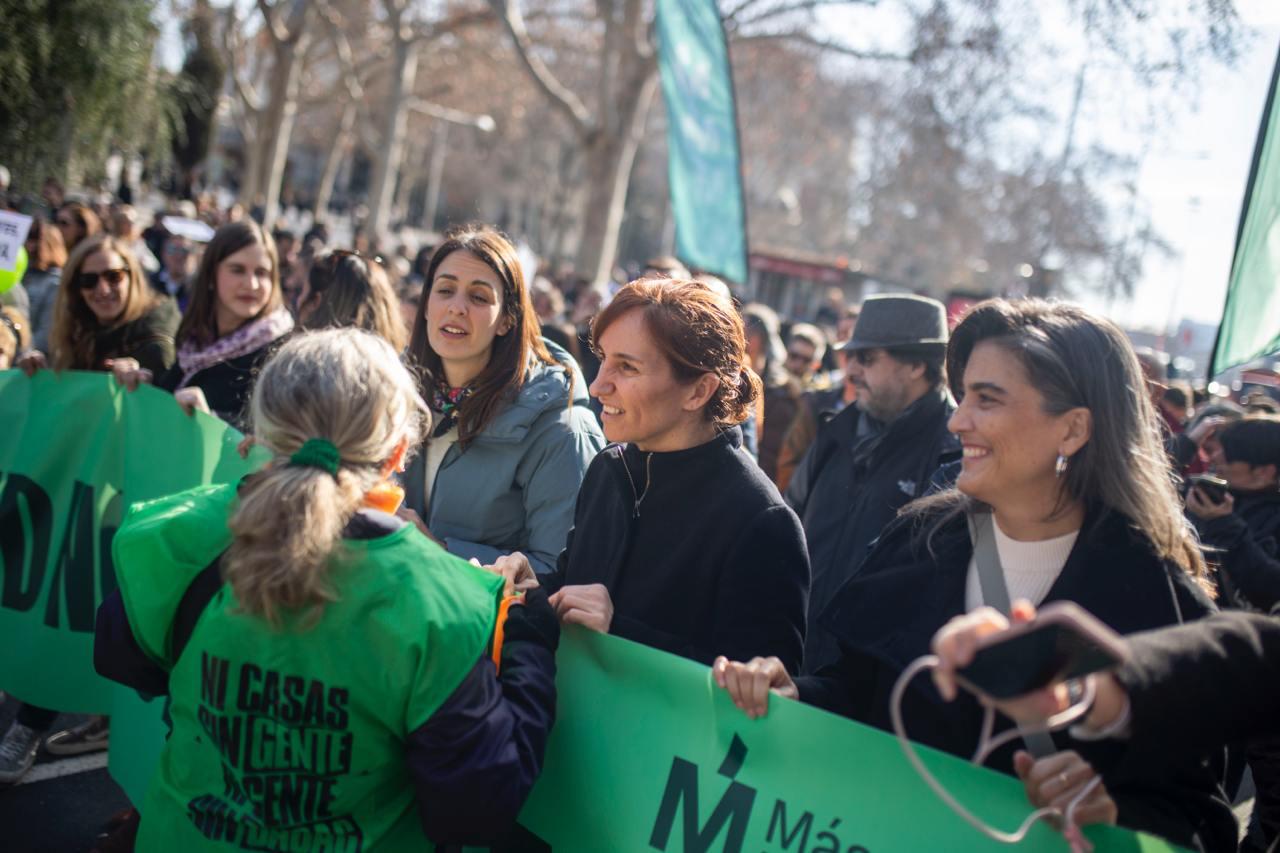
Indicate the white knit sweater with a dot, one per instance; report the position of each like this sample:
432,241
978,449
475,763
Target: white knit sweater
1030,568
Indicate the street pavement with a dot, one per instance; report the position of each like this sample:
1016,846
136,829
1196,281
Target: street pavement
62,804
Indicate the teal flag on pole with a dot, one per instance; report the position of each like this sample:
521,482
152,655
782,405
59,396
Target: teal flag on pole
704,161
1251,319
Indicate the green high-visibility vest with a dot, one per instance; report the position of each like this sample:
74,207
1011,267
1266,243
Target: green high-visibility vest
292,738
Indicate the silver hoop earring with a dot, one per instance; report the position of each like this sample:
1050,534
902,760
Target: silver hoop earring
1060,467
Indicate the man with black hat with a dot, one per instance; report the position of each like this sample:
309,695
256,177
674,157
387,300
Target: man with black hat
877,455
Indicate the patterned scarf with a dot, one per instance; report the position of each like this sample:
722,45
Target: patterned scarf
445,402
248,338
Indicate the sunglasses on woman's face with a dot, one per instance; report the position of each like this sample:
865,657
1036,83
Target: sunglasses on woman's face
89,280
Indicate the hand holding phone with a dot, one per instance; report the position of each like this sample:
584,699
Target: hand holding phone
1063,642
1023,669
1213,488
1208,497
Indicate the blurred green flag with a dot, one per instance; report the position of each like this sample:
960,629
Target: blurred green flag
702,138
1251,319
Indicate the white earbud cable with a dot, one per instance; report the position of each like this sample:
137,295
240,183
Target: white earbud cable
987,745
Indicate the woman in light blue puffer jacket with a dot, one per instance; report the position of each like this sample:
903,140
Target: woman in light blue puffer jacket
512,435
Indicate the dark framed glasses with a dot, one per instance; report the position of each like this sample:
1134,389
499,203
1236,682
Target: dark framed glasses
866,357
89,280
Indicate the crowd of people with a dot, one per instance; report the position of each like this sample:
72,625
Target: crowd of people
468,452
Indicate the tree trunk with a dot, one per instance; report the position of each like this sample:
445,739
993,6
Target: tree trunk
251,174
341,142
435,177
609,158
403,77
282,110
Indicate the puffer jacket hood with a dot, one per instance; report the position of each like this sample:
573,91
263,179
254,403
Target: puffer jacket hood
546,387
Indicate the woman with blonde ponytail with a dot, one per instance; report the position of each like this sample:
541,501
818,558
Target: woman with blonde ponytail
679,540
331,669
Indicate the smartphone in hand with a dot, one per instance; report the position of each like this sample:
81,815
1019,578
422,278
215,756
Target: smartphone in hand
1064,641
1213,488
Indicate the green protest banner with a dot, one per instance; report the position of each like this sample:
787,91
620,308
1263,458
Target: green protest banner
702,138
646,755
1251,317
76,449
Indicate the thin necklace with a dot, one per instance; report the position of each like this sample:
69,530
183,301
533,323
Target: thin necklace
638,496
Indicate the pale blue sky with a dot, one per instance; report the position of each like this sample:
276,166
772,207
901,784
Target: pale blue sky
1193,184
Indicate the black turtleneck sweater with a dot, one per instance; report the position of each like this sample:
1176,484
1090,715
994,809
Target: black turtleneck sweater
700,554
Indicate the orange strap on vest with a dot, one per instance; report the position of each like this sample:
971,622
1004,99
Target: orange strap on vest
500,627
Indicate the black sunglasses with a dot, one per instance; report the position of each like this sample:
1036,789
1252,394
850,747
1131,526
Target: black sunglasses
866,357
89,280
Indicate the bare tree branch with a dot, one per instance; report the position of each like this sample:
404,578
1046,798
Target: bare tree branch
640,29
452,25
251,100
342,46
560,96
832,47
273,25
790,8
732,14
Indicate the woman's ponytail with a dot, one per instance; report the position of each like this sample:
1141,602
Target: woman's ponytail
346,390
287,526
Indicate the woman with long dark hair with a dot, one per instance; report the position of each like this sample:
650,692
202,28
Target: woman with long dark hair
235,319
1065,494
513,434
344,289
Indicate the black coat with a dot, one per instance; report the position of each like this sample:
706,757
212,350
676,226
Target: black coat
911,584
149,339
710,561
846,490
227,384
1245,546
1199,686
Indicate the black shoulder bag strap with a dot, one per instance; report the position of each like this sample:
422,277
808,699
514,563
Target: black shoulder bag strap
193,603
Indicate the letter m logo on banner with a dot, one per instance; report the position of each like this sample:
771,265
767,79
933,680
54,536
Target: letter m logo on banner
734,808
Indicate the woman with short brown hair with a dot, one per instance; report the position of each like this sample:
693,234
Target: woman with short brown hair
680,541
46,256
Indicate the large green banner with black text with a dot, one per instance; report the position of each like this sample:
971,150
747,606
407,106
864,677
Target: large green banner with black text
75,450
646,755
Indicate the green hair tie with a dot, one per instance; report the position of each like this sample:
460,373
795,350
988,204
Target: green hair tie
317,453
